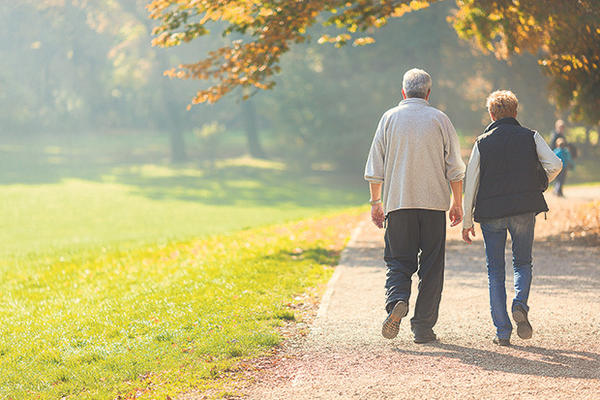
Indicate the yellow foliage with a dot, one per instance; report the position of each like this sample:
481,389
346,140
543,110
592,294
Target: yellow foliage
563,34
266,12
363,41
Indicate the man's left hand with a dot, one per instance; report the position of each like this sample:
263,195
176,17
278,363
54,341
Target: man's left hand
377,215
456,214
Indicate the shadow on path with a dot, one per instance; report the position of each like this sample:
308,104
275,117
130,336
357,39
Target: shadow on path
554,363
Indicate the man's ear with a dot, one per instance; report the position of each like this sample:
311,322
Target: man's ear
403,94
428,93
492,117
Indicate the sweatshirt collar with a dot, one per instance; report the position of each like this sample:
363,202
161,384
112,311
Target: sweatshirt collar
413,100
507,120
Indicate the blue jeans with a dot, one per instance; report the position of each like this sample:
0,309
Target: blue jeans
521,229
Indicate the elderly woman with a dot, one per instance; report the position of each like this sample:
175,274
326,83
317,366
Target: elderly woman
504,189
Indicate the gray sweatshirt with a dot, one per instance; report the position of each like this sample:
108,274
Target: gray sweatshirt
415,153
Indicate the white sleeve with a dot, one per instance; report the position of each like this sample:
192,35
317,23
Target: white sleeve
550,161
471,188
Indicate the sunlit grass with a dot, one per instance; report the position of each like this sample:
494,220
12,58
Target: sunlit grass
132,205
93,325
152,279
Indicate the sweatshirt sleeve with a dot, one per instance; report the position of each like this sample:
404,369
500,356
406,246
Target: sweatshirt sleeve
374,169
550,161
471,188
455,167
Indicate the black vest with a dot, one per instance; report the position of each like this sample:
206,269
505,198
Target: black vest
509,179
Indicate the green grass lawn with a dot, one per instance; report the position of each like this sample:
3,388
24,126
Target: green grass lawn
159,319
139,277
98,193
149,203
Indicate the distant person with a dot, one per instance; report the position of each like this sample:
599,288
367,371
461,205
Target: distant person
562,152
505,187
415,154
557,133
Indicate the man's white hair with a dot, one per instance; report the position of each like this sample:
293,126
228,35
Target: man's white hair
416,83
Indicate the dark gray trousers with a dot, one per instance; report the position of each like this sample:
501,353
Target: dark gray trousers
415,241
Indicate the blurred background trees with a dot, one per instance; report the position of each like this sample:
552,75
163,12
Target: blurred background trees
563,34
86,68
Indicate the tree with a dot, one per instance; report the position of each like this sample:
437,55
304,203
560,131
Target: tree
564,34
49,70
87,66
270,28
327,100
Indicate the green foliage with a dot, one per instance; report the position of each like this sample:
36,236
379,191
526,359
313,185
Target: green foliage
88,66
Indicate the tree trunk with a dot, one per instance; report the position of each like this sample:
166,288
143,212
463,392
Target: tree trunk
586,142
172,119
249,113
588,130
177,141
175,128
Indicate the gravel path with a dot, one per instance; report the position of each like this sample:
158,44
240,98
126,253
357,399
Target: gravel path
345,357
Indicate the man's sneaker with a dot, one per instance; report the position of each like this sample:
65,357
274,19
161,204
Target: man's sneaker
391,325
524,329
501,342
427,338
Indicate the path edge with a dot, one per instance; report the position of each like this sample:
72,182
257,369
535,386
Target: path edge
326,299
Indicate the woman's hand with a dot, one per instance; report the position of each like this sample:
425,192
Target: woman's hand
466,232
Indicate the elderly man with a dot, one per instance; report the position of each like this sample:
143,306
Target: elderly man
505,181
415,155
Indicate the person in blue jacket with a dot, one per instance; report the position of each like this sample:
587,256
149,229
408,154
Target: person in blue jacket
562,152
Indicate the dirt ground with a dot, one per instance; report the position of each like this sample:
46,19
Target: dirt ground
343,356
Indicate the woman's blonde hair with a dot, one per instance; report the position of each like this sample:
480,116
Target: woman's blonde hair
502,104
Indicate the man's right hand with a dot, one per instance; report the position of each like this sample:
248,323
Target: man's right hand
377,215
456,214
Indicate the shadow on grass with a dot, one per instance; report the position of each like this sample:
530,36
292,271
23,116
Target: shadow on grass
554,363
42,159
313,255
147,172
247,185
